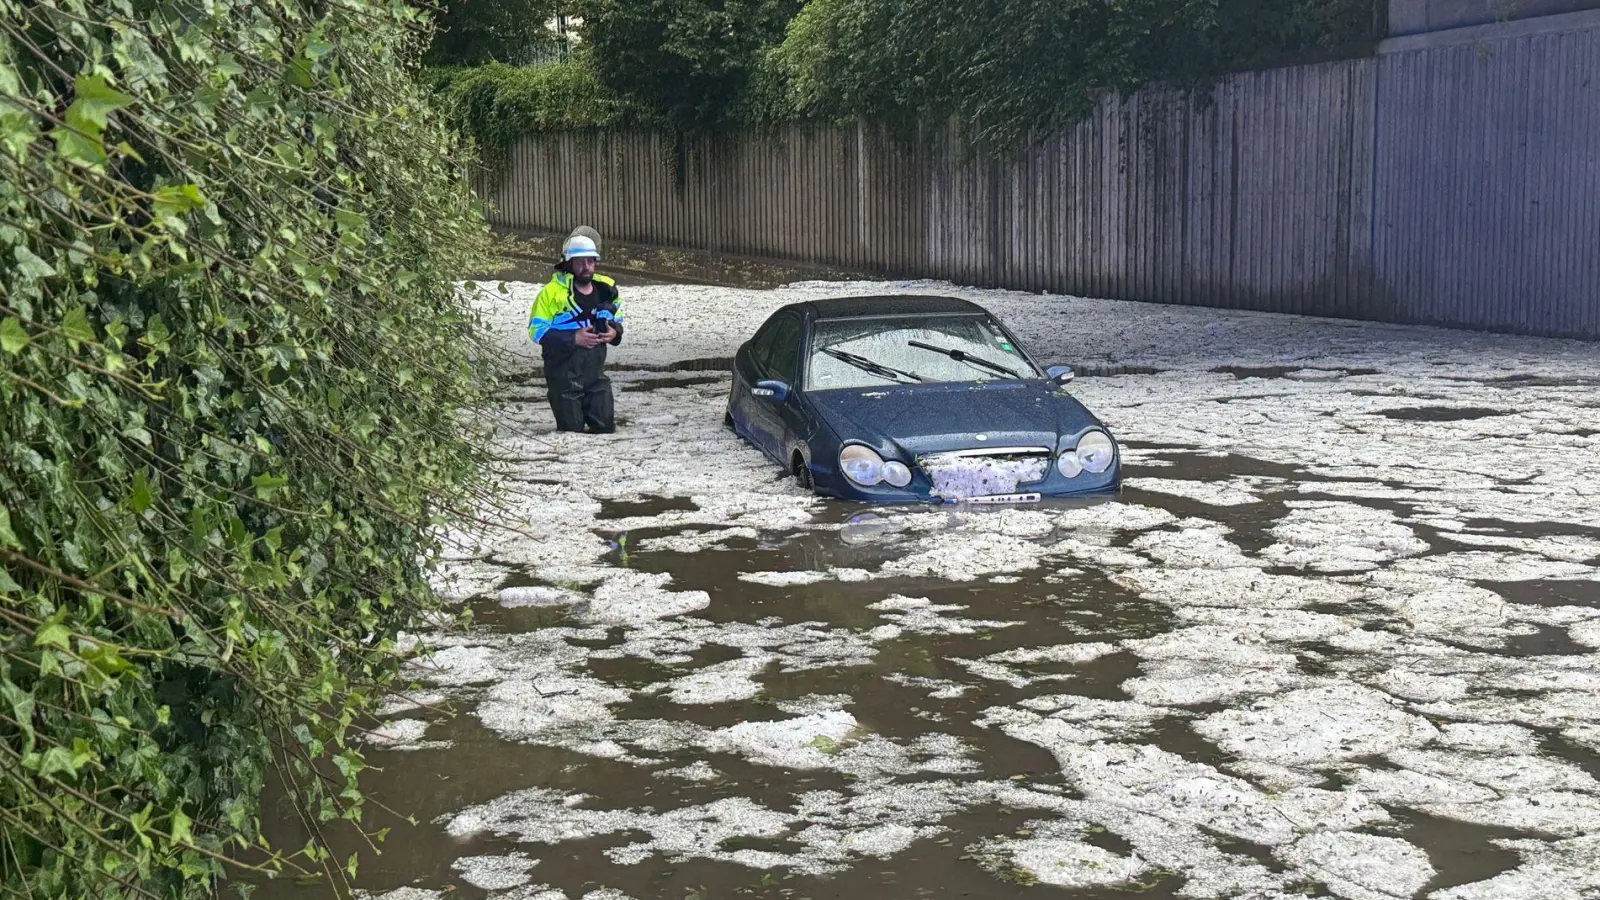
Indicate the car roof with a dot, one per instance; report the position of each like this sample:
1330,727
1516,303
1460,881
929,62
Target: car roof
887,305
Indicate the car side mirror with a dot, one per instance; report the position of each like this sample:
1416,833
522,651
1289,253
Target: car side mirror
771,391
1060,374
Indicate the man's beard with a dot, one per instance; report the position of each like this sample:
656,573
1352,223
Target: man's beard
582,279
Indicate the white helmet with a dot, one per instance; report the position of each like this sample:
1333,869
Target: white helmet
580,245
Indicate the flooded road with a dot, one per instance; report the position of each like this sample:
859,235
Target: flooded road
1337,637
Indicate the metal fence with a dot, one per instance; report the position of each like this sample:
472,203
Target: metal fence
1451,182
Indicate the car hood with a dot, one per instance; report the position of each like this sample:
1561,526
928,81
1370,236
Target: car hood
920,419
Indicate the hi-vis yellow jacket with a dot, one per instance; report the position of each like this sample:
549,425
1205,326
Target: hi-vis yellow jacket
559,311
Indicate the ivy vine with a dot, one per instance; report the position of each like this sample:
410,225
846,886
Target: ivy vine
241,399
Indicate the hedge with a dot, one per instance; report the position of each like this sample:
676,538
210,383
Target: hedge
239,396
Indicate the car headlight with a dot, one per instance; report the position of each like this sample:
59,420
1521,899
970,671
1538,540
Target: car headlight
862,465
1067,464
896,473
1096,451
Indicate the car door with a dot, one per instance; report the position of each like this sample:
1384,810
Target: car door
769,427
748,364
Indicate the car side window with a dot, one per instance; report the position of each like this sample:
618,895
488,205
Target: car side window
761,344
784,361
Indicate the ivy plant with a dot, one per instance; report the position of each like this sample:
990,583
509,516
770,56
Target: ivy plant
241,398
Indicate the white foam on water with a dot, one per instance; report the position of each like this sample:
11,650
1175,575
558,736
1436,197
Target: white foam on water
699,770
1232,492
1502,773
496,873
1059,719
937,688
720,683
1196,544
465,580
1115,517
518,597
1235,588
1562,548
1489,738
1059,857
630,598
558,708
918,615
1314,726
1336,537
1150,780
696,541
405,893
806,742
783,579
1559,813
397,734
1361,866
1586,633
1560,870
1496,566
1009,667
826,830
1211,664
406,701
967,556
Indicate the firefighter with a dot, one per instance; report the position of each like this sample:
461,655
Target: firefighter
574,319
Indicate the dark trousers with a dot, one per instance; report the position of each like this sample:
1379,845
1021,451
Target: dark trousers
580,392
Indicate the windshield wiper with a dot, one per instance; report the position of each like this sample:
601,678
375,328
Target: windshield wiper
861,362
963,356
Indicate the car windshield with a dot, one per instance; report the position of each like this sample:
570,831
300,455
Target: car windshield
862,353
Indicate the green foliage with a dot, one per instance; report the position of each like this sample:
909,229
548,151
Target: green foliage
1007,72
237,395
496,104
1029,67
474,32
683,64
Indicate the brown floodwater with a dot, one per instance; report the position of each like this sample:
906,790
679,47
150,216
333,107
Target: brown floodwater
1051,607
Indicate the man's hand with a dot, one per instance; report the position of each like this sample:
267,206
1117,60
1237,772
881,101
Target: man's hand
588,340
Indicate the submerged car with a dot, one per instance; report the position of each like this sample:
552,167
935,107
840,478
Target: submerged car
905,399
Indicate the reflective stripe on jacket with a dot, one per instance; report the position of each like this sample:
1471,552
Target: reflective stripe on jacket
557,308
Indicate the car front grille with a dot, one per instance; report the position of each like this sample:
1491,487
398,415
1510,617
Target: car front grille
985,472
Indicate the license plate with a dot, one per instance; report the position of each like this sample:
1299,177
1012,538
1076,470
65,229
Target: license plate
1004,498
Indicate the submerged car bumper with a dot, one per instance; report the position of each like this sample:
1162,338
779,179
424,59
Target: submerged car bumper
833,483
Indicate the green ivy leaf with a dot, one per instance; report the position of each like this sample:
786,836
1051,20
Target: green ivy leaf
77,148
17,133
13,337
142,497
181,827
268,486
8,538
57,760
93,103
30,265
54,634
7,585
76,326
176,200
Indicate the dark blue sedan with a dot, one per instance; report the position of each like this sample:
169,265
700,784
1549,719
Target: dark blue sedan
914,399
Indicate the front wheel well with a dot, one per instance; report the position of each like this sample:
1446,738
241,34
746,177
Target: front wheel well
800,469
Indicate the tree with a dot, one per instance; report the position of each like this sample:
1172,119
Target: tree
686,63
474,32
1028,67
